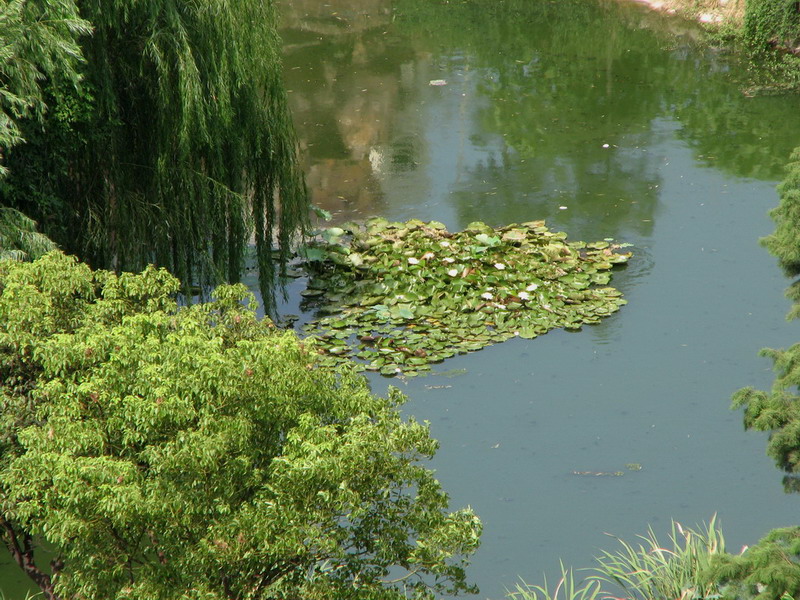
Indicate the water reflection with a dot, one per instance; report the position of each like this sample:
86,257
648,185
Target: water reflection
546,105
606,120
341,94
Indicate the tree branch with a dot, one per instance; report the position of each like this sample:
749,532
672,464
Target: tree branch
22,553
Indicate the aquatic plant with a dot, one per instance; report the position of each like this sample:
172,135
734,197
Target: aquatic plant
566,588
652,571
648,571
400,296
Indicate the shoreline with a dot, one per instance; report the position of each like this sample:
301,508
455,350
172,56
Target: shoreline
707,12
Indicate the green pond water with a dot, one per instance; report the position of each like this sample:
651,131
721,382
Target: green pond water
606,120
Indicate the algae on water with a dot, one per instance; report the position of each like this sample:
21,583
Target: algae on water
398,297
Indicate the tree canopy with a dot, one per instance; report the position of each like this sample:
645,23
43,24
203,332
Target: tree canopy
39,42
178,148
198,452
769,570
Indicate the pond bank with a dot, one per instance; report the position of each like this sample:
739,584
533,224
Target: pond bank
711,12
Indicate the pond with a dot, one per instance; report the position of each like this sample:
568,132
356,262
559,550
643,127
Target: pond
606,120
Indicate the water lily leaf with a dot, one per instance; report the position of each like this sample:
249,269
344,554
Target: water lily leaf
312,253
355,259
487,240
414,294
478,227
402,311
331,234
528,332
311,293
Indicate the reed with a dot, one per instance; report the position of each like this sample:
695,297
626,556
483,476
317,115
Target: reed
653,571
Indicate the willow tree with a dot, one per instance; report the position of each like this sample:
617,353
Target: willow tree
38,43
181,148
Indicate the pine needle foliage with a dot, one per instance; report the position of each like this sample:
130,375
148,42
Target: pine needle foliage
770,570
777,411
196,452
784,242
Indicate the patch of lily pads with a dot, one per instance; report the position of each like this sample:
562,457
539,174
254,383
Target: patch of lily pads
399,297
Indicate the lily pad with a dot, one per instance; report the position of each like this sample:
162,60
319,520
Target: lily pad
403,296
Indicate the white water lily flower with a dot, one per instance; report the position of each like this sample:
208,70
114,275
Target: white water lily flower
444,244
452,272
413,261
524,296
486,295
531,287
499,266
448,259
428,256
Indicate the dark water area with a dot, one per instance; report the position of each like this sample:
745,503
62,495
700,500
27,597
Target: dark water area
607,121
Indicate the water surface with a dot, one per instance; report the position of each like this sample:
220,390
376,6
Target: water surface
606,120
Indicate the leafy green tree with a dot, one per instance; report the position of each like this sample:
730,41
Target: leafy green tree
178,150
197,452
770,23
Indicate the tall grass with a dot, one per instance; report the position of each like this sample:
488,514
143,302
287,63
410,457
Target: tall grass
646,571
651,571
566,589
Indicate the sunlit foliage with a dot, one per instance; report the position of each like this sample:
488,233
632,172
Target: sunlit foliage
197,452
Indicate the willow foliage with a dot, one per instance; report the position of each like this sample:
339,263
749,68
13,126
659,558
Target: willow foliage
38,40
38,43
19,239
179,150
